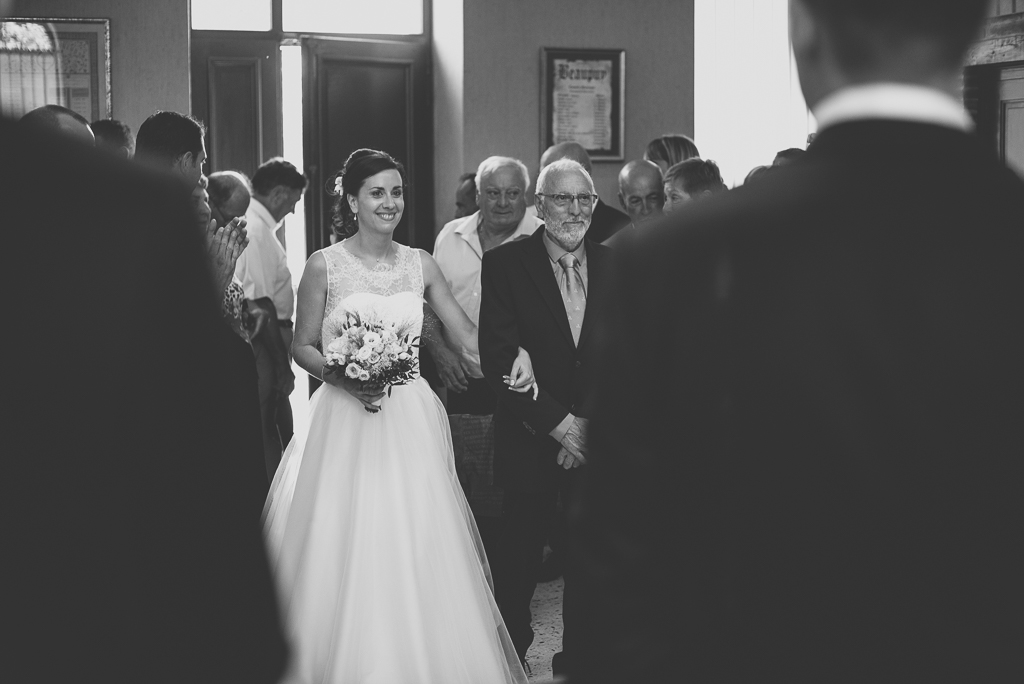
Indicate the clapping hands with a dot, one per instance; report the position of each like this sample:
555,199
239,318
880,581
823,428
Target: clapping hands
223,246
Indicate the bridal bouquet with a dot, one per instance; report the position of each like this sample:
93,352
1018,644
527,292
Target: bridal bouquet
380,354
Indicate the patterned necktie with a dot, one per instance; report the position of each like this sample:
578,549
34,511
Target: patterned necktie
573,294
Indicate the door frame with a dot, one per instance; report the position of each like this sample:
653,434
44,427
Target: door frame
415,56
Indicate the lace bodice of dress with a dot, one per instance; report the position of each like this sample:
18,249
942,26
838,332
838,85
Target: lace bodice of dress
385,293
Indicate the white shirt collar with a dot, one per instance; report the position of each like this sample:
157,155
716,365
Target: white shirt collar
469,229
897,101
257,208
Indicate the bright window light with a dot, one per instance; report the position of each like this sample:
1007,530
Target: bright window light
747,103
231,15
295,224
385,17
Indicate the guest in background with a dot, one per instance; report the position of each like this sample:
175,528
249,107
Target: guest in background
690,180
641,194
756,173
230,195
459,251
56,120
466,196
668,150
242,411
605,220
263,269
788,156
820,477
173,141
114,136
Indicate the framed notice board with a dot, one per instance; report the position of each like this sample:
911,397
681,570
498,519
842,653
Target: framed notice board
583,100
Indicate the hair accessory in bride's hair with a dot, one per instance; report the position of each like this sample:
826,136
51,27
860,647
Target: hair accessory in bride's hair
339,189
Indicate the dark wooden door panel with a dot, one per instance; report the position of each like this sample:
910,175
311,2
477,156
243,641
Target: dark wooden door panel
1011,130
236,92
372,94
236,113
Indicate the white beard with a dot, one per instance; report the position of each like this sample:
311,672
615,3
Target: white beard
567,237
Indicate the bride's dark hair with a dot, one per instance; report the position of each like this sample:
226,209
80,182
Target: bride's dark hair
359,166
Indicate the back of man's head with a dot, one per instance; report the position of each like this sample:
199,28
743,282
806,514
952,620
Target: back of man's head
277,172
867,31
114,136
166,137
567,150
54,119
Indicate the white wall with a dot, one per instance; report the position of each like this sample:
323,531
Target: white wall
149,50
499,111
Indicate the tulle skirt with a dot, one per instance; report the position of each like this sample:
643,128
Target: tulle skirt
381,574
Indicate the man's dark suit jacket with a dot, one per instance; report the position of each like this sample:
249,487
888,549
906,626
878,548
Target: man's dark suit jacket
521,306
136,552
809,450
605,222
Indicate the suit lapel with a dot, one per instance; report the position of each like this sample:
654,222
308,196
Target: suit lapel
598,281
538,265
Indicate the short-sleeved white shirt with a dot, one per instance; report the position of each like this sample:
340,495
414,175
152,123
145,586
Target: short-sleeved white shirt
263,266
459,254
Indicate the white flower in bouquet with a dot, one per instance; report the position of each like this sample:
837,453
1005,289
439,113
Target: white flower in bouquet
371,339
374,357
353,371
364,375
364,354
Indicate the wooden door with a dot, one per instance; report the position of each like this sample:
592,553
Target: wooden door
376,94
1011,117
236,92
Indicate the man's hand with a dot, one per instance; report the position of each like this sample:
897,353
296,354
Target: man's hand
254,317
574,445
284,380
449,367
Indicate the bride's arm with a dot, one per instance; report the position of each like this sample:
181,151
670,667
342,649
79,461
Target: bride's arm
309,316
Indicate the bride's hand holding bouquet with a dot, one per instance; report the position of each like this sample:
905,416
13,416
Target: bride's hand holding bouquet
367,358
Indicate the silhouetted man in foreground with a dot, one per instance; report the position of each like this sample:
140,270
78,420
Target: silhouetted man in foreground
806,465
134,554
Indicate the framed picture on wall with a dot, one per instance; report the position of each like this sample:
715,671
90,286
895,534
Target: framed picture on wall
55,61
583,94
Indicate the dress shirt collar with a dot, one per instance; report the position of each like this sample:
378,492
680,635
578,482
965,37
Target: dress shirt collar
469,230
262,212
556,252
898,101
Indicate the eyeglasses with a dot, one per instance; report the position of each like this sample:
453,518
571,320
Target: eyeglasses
564,199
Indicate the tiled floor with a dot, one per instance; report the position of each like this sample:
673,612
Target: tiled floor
547,626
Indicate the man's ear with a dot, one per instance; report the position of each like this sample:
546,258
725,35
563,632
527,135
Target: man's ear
538,202
185,162
622,202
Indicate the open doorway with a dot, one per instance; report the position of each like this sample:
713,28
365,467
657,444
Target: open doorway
311,81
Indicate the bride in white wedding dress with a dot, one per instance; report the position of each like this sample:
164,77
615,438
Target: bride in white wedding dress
380,570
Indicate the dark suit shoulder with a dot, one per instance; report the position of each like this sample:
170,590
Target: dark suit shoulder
511,250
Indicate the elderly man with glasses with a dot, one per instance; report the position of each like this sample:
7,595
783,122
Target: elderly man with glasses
545,293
